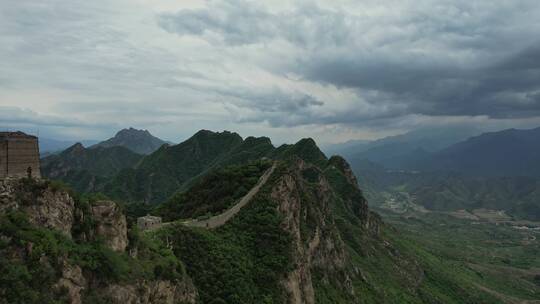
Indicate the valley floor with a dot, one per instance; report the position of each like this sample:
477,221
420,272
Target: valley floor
497,256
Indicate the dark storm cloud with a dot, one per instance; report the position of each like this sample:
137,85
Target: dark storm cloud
504,89
455,58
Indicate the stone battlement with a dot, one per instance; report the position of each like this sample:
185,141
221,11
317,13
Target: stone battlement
148,222
19,154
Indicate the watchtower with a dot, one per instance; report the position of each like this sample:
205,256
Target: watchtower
148,222
19,155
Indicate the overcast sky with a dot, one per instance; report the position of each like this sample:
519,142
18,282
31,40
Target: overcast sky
333,70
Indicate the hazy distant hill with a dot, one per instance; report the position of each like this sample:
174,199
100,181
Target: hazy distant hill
87,169
505,153
49,145
393,151
138,141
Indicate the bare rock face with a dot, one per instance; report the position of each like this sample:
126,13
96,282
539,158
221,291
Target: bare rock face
73,282
319,247
143,292
165,292
7,195
44,205
53,210
111,224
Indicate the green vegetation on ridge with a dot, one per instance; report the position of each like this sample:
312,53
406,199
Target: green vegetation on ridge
214,193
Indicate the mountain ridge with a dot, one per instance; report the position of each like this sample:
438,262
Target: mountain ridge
306,236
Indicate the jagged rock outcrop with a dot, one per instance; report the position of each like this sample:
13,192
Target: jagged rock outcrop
47,206
145,292
73,282
317,244
110,224
44,205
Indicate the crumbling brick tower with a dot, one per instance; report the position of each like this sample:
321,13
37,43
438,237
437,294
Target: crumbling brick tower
19,155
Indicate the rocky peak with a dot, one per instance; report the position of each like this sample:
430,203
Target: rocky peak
76,149
132,132
258,140
138,141
342,165
208,135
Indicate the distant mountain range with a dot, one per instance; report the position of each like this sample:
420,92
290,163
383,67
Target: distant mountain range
480,172
495,170
504,153
48,145
138,141
393,147
123,174
86,168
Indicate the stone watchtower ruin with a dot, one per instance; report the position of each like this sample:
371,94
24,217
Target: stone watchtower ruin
19,155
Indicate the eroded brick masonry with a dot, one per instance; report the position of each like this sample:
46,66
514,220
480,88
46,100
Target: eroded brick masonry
18,153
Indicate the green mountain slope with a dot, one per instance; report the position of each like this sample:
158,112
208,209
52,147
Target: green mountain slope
56,247
306,236
85,169
167,170
173,168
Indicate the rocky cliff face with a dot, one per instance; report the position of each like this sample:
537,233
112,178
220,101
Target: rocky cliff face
304,197
145,292
110,224
73,282
44,206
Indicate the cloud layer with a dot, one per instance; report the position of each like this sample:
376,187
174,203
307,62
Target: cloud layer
332,70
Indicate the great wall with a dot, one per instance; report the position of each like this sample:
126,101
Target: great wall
216,220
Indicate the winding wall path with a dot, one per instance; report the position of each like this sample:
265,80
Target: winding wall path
223,218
